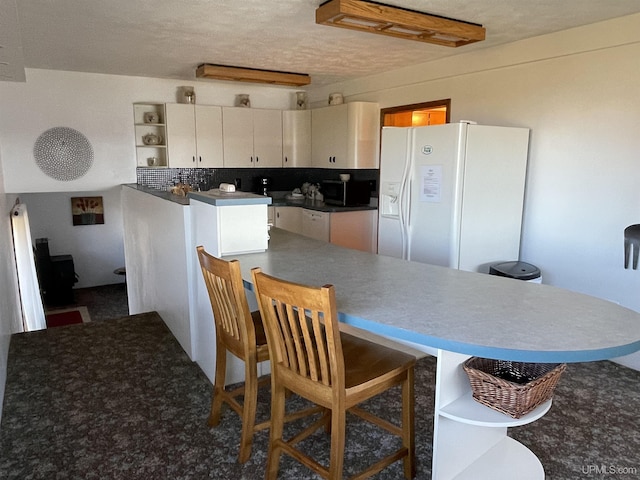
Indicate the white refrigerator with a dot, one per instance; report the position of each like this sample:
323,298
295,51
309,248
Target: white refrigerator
452,194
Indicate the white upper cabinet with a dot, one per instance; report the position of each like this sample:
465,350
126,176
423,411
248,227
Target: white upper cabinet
296,138
194,135
345,136
252,137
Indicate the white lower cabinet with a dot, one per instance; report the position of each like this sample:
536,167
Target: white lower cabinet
356,229
289,218
469,439
316,224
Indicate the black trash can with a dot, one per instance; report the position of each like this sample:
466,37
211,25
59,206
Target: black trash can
518,270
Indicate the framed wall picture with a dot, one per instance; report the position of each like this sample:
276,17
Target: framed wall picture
87,210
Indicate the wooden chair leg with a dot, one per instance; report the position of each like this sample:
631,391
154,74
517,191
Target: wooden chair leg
218,385
275,433
338,431
408,425
249,409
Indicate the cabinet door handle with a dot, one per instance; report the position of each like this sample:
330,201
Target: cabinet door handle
257,159
200,158
251,159
286,159
194,158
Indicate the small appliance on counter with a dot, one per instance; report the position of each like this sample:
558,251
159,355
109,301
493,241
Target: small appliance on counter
347,194
264,186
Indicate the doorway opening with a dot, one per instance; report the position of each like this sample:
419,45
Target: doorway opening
417,114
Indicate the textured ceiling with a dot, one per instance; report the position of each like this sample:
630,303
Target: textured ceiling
169,38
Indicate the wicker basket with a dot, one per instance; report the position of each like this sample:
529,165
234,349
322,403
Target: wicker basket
513,388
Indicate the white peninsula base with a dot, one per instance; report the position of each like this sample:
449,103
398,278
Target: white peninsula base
470,440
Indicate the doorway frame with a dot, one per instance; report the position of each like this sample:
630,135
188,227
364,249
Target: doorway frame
446,103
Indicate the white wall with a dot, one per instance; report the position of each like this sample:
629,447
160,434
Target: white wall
97,250
100,107
578,93
10,316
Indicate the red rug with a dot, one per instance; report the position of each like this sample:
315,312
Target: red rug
64,318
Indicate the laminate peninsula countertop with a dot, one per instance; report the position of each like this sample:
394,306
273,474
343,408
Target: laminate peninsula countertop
453,310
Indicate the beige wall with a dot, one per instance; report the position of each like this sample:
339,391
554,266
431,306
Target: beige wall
577,91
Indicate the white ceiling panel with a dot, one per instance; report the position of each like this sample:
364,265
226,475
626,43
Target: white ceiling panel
169,38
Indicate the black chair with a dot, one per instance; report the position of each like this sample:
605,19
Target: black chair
56,275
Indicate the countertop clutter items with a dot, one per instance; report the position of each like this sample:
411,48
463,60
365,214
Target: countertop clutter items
181,189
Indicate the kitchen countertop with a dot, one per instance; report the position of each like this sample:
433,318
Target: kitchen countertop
159,193
317,205
233,198
454,310
283,199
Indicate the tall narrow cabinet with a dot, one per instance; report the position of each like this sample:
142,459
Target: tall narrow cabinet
296,138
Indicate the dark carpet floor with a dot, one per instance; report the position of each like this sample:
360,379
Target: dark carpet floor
119,399
104,302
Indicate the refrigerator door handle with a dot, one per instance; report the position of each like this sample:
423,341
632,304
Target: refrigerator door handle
405,199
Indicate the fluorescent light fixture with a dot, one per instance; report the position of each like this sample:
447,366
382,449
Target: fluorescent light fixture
397,22
252,75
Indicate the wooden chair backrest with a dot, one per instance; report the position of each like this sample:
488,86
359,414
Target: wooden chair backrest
302,330
231,313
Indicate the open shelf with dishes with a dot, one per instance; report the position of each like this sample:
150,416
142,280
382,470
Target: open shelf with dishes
150,134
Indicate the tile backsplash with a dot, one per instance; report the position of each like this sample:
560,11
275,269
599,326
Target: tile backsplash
248,179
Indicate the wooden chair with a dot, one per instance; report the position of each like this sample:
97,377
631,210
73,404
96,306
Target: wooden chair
337,371
239,331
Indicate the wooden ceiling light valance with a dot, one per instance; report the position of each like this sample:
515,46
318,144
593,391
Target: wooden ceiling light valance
398,22
253,75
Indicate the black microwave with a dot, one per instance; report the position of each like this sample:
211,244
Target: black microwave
349,193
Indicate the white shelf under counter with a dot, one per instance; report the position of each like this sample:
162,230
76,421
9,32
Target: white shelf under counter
506,460
465,409
470,439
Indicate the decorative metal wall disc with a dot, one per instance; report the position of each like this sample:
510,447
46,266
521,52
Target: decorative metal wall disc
63,153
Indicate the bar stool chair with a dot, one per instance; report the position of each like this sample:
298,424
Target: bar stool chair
312,358
239,331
